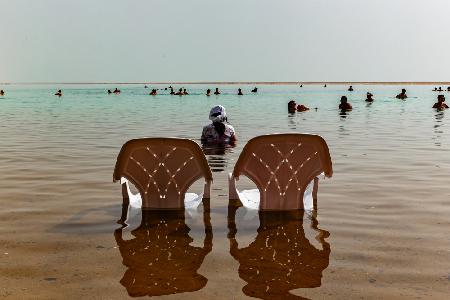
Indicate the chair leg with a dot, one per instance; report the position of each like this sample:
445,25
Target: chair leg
314,192
232,191
207,190
125,203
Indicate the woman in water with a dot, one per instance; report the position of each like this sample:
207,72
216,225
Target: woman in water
240,92
402,95
292,106
58,93
217,92
350,89
219,131
344,106
208,92
369,97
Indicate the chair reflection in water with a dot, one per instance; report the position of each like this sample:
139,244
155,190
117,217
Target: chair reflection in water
160,259
281,258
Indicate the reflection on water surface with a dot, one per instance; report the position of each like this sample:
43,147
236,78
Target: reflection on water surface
159,257
281,258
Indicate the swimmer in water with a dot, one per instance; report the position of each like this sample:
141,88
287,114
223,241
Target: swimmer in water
153,92
255,90
180,92
2,93
448,89
344,106
302,108
292,106
350,89
109,92
217,92
301,85
240,92
171,91
325,85
402,95
435,89
145,87
208,92
185,92
116,91
369,97
440,105
58,93
440,89
219,131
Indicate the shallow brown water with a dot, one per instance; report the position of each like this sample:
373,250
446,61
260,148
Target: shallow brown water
381,230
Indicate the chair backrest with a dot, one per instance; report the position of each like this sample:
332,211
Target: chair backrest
282,166
162,169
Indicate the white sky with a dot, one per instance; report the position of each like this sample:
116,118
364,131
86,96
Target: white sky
226,40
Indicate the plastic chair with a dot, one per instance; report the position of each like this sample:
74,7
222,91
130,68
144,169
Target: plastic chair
162,169
285,169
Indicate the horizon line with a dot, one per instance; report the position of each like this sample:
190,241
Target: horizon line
240,82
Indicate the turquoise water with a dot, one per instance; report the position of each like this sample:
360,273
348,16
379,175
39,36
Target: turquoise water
387,200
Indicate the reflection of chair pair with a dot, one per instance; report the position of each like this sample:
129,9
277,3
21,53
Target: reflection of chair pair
160,259
284,167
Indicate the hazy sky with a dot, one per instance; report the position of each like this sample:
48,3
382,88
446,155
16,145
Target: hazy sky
226,40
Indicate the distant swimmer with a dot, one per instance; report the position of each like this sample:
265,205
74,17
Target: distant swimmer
344,106
109,92
302,108
440,105
153,92
240,92
145,87
185,92
180,92
435,89
448,89
208,92
2,93
171,91
165,89
301,85
369,97
116,91
402,95
350,89
217,92
58,93
255,90
325,85
440,89
292,107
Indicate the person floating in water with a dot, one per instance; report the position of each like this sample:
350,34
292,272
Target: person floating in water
145,87
240,92
344,106
255,90
58,93
302,108
2,93
208,92
350,89
448,89
292,106
217,92
116,91
325,85
153,92
402,95
109,92
440,89
180,92
440,105
185,92
369,97
435,89
171,91
301,85
219,131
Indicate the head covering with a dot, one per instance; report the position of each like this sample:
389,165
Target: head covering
217,114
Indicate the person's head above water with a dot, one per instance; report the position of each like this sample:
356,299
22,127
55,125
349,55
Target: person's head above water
343,99
218,114
441,98
403,91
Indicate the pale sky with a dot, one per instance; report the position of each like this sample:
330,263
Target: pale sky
226,40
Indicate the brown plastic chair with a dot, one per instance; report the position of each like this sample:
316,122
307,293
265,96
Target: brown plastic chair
282,166
162,169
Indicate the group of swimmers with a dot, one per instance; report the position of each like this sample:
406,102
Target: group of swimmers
116,91
440,89
344,105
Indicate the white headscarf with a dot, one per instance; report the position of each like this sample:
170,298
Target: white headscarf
220,110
